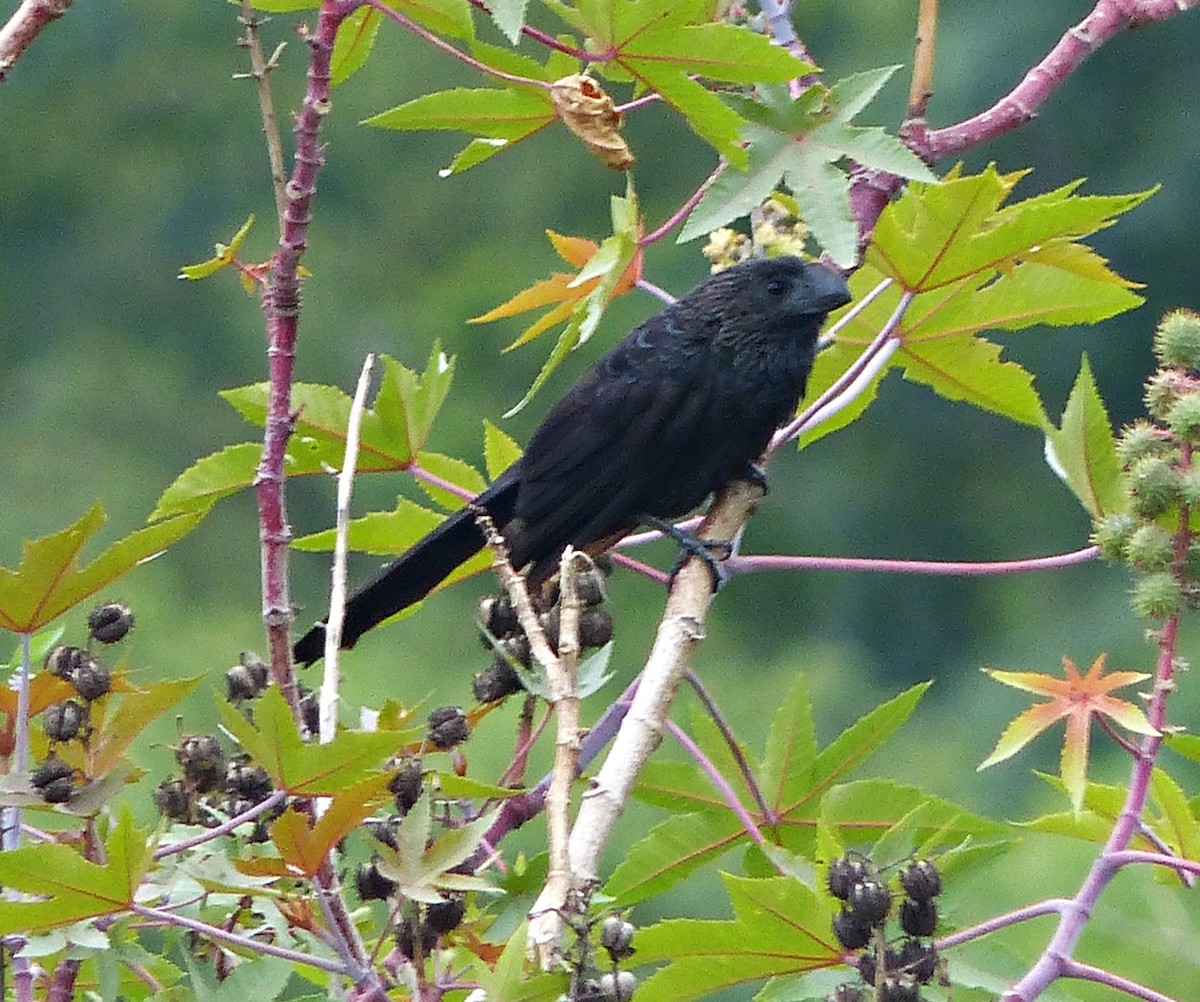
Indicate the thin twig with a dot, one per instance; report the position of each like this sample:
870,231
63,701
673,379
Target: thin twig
27,22
331,677
921,88
260,69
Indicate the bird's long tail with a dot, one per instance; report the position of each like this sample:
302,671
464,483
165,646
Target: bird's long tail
415,573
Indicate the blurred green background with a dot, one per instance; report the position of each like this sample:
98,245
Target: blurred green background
128,151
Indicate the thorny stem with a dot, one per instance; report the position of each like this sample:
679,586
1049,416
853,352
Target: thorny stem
1056,960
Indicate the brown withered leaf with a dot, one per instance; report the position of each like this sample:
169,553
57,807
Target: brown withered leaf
590,114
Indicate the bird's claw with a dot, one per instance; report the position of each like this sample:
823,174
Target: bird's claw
691,545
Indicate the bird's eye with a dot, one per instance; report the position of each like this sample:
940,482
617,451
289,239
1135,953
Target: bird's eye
776,287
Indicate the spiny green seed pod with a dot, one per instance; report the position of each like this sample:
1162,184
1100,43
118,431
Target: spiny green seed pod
1163,389
1150,548
1189,486
1184,418
1191,565
1156,595
1177,339
1140,439
1153,486
1112,534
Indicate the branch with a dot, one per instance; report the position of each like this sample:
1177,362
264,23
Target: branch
260,69
682,627
1056,960
547,914
945,568
24,26
331,675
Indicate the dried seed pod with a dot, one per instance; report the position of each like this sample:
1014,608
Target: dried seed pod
62,721
448,726
202,761
110,622
91,679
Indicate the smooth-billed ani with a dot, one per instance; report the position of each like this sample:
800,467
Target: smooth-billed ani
679,408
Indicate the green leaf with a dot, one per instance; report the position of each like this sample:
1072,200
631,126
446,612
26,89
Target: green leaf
500,450
353,44
308,769
209,479
390,534
1082,452
446,17
224,257
871,810
127,714
608,264
71,887
419,867
48,580
798,143
508,979
970,369
509,16
454,471
1180,826
780,928
852,747
791,748
490,113
670,852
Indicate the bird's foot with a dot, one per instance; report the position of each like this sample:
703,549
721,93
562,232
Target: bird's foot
691,545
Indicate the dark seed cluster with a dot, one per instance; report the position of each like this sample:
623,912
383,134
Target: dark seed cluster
91,679
213,787
503,635
891,969
1161,478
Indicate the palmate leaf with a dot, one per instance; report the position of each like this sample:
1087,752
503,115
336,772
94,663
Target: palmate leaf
780,927
606,271
70,887
1076,699
664,44
973,263
49,581
793,777
798,142
392,433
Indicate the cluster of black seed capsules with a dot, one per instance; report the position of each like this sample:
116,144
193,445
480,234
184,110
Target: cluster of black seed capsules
503,635
70,719
891,970
213,787
1161,479
419,926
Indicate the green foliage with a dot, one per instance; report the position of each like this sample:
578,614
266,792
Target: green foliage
49,580
780,927
1082,452
273,741
799,783
70,887
971,263
801,140
391,438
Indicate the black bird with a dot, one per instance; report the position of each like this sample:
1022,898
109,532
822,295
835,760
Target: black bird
675,411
